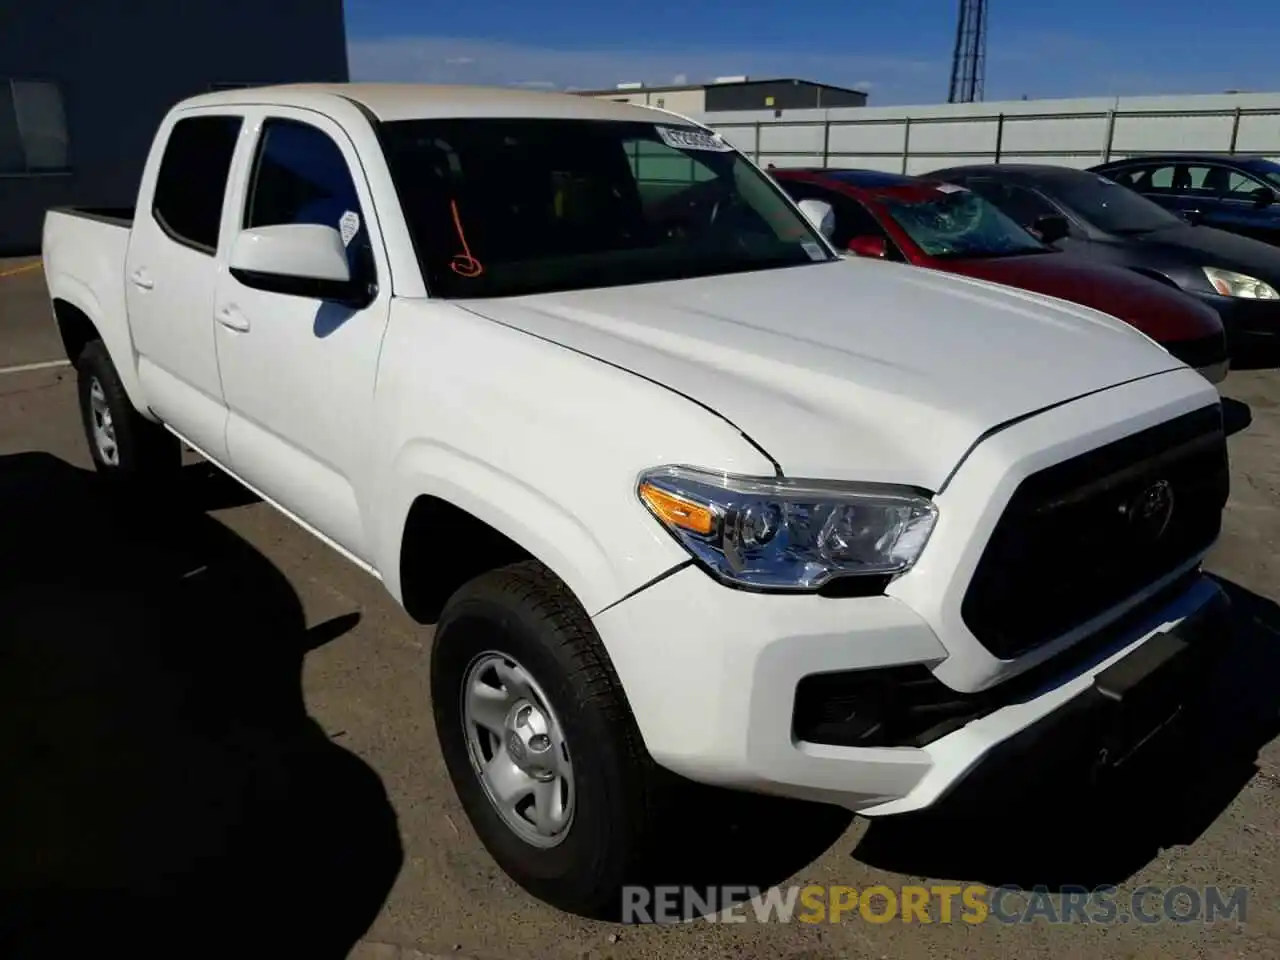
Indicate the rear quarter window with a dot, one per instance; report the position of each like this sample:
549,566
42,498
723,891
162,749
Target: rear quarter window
192,181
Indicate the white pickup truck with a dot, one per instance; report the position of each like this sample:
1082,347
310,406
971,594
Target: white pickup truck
683,490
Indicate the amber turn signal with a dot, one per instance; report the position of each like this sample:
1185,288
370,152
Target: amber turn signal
677,511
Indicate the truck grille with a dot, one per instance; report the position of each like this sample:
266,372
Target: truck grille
1084,535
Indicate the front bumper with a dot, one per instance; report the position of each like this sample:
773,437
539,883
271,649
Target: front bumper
1128,703
1215,372
713,675
1208,356
722,670
1245,318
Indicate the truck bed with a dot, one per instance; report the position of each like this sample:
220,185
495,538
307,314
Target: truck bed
84,251
116,216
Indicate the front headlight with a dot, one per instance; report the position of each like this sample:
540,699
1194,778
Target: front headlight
782,534
1232,284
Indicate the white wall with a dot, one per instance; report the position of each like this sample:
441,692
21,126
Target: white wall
1076,133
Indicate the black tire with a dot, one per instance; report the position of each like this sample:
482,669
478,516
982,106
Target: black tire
145,451
525,612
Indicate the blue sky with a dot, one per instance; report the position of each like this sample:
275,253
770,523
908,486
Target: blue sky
899,50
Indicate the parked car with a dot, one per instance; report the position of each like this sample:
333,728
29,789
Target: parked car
1095,217
934,224
1233,193
683,493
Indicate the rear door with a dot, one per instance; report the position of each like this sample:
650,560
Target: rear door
299,372
1191,190
1138,178
171,272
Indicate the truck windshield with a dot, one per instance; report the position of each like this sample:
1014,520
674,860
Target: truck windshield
502,207
958,224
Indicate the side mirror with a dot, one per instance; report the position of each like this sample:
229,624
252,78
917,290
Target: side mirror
297,259
1051,228
1263,197
302,250
821,214
869,246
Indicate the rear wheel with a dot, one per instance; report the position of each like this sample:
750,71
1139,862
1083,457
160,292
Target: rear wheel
539,740
124,445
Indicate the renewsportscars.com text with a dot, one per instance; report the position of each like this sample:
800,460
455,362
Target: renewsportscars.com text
937,903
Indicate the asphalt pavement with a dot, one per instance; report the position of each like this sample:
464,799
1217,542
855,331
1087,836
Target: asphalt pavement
217,740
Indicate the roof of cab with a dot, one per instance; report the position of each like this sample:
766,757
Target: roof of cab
420,101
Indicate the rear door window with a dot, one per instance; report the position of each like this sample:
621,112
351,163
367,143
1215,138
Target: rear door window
1159,179
1202,182
1136,178
192,180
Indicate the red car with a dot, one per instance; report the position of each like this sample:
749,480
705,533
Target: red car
940,225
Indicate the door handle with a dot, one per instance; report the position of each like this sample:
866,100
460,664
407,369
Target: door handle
231,318
140,279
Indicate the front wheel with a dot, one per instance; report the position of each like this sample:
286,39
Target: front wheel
539,740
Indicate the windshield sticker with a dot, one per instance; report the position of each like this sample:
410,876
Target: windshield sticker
686,138
950,188
463,264
348,226
813,250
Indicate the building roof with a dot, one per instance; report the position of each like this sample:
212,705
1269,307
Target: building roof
414,101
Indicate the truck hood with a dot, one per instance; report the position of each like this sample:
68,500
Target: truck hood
847,370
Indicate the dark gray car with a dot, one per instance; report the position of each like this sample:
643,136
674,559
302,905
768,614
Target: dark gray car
1095,217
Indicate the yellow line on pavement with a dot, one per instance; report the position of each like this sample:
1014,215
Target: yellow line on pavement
22,269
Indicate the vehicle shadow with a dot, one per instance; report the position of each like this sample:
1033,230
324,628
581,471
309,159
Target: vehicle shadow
1237,416
203,487
1052,830
726,847
160,780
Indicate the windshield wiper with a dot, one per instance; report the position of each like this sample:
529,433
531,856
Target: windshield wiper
1141,231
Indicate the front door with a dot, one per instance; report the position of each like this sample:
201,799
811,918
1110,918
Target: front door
299,372
1248,206
171,272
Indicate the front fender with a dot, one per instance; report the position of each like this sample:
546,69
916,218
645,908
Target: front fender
538,441
569,538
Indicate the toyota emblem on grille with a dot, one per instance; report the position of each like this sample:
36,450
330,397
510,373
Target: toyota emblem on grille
1150,511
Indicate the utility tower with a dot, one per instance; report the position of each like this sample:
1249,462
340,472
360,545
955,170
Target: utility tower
969,63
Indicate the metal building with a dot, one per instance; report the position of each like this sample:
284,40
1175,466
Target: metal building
84,84
735,93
